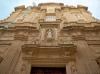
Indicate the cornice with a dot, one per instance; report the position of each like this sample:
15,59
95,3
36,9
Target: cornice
22,7
93,42
13,24
16,22
83,7
81,24
82,28
20,28
75,7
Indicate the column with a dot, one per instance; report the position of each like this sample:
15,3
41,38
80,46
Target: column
68,71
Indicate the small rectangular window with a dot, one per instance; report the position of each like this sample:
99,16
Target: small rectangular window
50,18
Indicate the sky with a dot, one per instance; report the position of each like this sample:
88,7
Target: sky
7,6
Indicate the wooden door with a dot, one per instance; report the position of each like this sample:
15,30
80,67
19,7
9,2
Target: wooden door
48,70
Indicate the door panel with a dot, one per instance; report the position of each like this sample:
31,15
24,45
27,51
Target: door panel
48,70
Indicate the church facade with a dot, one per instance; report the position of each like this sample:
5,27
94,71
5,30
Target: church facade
51,38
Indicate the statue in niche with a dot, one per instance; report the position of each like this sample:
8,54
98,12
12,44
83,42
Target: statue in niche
49,33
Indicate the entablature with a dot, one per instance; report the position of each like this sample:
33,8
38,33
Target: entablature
21,28
68,49
49,60
81,28
25,28
21,24
84,24
63,53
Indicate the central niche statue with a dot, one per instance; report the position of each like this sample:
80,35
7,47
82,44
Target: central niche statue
49,34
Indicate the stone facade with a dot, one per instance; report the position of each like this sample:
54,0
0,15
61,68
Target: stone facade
50,35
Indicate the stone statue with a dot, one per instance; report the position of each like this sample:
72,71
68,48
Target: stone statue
49,33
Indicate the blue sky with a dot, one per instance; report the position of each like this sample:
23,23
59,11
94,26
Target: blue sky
7,6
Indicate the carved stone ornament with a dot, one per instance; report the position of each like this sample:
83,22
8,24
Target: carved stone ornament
49,34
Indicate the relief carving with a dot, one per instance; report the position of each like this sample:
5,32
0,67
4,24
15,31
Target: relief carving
49,34
65,40
23,67
73,68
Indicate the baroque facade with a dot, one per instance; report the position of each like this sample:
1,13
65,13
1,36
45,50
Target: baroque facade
51,38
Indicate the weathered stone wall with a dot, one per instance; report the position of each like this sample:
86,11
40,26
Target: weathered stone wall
27,40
